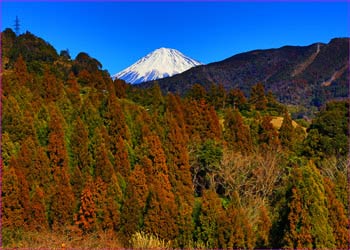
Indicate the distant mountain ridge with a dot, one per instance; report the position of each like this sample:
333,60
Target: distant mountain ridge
160,63
305,75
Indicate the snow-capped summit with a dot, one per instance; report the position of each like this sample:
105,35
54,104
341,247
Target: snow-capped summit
158,64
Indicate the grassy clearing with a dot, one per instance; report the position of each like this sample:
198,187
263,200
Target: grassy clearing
50,240
277,122
72,240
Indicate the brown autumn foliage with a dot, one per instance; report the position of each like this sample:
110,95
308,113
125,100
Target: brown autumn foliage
23,192
337,216
115,122
161,211
73,91
80,146
237,134
90,162
135,201
85,219
202,121
257,97
179,167
22,77
234,229
121,158
268,136
12,209
236,98
38,220
103,166
53,87
81,159
62,197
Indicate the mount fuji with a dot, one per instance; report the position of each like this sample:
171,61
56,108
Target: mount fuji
160,63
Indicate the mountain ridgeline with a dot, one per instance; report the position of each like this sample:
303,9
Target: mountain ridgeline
299,75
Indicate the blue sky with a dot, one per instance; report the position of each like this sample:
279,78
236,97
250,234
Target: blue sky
119,33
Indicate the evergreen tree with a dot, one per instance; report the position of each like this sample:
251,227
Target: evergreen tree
85,219
22,77
179,168
329,132
8,148
268,136
12,119
337,216
115,122
41,173
234,229
90,116
156,99
120,88
305,223
80,155
53,87
237,100
62,202
161,212
80,146
73,91
197,92
103,165
121,158
287,132
264,225
23,191
107,185
38,220
202,121
236,133
257,97
12,210
211,210
217,96
132,216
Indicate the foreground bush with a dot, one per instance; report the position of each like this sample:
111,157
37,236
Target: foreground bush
144,240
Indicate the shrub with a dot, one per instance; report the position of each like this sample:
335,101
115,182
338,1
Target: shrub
146,241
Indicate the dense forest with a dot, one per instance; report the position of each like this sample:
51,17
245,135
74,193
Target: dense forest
306,76
85,157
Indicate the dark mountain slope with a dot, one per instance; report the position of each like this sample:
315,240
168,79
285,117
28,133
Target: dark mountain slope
295,74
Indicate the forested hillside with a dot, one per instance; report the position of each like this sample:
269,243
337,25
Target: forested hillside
91,162
307,76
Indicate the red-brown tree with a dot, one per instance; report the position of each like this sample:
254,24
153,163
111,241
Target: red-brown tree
236,133
257,97
62,202
337,216
12,210
38,220
85,219
161,211
121,158
73,91
179,167
137,192
115,122
268,136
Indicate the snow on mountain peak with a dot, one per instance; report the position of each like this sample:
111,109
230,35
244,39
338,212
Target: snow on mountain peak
160,63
